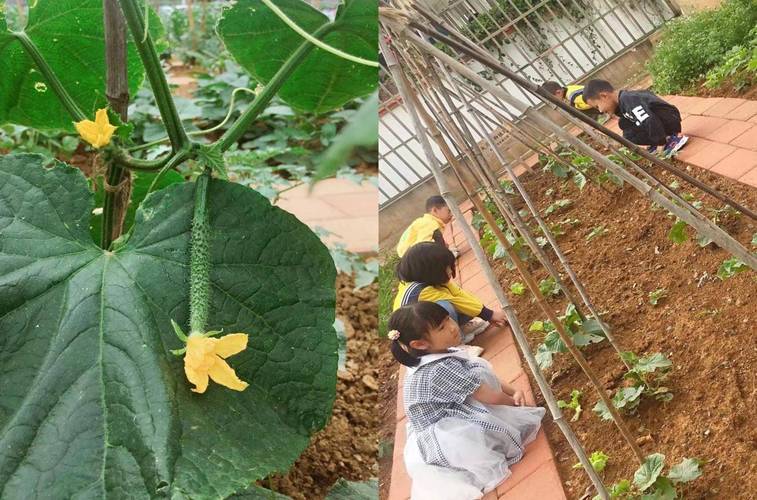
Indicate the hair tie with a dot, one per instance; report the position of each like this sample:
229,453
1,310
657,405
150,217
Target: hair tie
393,334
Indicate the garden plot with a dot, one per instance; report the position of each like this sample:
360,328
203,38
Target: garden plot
661,292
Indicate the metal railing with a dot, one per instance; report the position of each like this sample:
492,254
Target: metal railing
561,40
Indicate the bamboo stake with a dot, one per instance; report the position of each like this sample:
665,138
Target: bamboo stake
488,272
705,227
117,180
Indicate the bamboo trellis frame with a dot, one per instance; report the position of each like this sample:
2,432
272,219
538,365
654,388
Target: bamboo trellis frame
491,278
460,136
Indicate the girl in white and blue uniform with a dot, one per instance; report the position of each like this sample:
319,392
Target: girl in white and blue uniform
465,427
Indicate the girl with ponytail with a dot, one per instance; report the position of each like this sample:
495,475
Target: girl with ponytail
465,427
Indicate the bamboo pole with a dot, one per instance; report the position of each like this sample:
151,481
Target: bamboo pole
703,226
117,180
489,274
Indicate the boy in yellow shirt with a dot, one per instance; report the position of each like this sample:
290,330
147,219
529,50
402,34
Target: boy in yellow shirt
571,93
429,227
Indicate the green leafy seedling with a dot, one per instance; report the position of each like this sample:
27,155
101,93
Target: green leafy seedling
574,404
548,287
657,295
597,231
677,233
518,288
598,460
557,206
730,268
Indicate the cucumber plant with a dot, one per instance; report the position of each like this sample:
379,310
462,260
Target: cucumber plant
574,404
650,483
644,378
93,402
582,334
598,460
657,295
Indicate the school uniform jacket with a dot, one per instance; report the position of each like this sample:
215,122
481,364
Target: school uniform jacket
426,228
462,301
642,114
575,96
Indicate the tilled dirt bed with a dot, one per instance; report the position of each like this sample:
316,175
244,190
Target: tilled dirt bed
705,326
348,446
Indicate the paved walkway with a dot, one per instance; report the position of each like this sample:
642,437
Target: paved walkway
346,209
534,477
723,140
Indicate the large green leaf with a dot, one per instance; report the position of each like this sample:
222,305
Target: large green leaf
92,404
647,474
69,34
261,43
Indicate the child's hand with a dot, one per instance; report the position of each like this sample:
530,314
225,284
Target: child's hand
519,398
499,318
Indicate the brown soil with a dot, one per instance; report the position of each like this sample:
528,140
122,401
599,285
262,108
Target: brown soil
705,326
348,446
725,90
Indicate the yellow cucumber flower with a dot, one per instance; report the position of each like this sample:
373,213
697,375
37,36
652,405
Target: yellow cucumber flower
98,132
205,358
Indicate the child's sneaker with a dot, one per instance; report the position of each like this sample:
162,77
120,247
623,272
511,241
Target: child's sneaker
651,149
454,251
674,144
473,328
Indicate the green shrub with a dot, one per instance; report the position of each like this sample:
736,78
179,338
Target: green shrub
739,65
693,45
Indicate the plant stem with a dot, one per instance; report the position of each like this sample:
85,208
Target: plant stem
127,161
315,41
155,75
260,102
31,48
199,263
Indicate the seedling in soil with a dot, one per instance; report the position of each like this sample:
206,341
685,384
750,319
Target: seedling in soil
677,233
570,222
657,295
730,268
548,287
551,165
597,231
754,240
507,186
644,377
518,288
650,484
557,206
582,334
575,404
598,460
